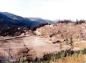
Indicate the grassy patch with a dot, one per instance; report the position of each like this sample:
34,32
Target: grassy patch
61,57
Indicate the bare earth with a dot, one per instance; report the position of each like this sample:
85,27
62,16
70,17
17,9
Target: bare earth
46,39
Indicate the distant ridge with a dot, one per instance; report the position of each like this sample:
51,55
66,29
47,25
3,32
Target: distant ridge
11,19
10,22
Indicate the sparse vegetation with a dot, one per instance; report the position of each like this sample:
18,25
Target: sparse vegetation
61,57
65,21
80,22
64,31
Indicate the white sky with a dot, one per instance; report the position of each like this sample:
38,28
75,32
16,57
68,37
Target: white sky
47,9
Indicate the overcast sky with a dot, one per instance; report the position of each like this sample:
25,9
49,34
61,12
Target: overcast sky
47,9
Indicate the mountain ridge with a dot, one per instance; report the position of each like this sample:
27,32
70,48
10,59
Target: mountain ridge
9,21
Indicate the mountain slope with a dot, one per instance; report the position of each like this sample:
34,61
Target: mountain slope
10,21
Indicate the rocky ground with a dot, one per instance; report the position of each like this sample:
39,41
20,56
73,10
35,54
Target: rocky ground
46,39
